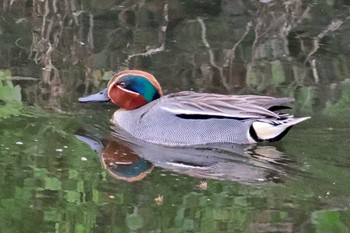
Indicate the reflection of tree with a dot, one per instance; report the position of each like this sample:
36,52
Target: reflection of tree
226,46
59,37
161,38
271,65
227,63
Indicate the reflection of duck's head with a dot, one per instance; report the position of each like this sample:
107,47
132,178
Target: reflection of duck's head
123,164
119,160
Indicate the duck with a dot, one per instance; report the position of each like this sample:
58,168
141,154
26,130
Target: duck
189,118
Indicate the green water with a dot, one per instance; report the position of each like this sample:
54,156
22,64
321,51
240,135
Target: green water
52,182
63,170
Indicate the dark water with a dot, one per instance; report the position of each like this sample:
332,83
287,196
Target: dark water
63,170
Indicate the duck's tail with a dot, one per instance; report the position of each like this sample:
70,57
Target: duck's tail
273,130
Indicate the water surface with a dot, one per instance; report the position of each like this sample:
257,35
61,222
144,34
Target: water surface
62,169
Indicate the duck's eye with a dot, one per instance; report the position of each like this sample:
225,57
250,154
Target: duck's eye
122,84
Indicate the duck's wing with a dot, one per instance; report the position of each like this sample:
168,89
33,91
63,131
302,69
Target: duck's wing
205,105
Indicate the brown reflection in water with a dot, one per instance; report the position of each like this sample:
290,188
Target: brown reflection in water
124,164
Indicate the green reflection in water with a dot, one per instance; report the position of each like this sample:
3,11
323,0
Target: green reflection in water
10,96
53,182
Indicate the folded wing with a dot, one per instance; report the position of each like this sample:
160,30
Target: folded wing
196,105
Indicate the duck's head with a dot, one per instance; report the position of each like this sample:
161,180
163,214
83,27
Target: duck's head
129,89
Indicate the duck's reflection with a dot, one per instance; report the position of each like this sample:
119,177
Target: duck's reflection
131,160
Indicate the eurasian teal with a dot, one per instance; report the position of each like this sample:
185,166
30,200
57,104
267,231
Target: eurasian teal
188,118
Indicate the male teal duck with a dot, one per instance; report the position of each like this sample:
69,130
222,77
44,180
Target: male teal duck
188,118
